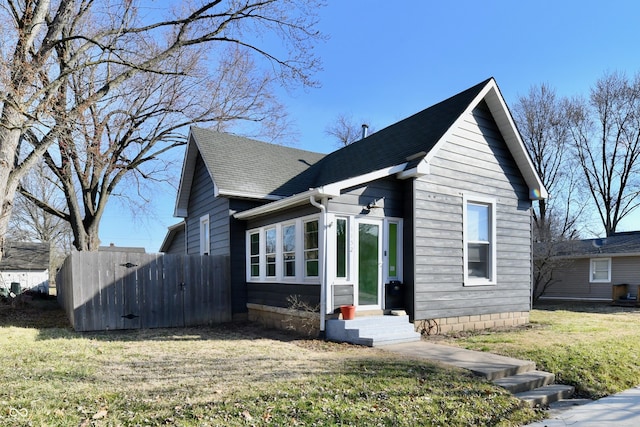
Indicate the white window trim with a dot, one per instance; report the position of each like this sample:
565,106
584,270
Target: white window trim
592,270
296,251
205,240
300,277
333,249
473,281
399,255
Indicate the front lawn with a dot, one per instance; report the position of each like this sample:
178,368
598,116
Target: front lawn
226,376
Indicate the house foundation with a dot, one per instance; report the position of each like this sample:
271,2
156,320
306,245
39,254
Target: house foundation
471,323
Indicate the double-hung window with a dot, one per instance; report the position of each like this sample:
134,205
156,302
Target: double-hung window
289,250
479,242
254,255
600,270
270,251
311,252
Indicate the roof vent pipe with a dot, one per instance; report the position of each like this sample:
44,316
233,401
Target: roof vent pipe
365,130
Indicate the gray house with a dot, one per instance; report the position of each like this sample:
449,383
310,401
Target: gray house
430,215
604,269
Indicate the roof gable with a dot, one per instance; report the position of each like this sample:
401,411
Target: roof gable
25,256
245,168
242,167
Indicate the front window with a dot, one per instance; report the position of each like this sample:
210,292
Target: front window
254,254
311,249
270,239
479,243
289,250
600,270
286,251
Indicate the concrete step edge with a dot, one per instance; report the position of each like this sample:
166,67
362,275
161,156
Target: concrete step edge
525,381
544,396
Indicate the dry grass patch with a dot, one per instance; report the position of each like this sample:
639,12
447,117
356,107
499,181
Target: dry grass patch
229,375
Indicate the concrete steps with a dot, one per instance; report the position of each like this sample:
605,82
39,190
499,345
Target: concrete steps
535,388
520,377
372,331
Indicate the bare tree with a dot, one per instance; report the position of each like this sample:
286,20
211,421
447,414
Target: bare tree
62,63
30,223
347,130
605,131
542,120
543,123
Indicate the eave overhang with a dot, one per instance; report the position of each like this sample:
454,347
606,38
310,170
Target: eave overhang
328,191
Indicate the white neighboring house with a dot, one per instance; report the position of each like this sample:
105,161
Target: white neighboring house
25,263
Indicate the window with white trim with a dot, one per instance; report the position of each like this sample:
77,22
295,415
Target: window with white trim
311,259
270,251
254,255
205,240
600,271
479,242
287,251
342,260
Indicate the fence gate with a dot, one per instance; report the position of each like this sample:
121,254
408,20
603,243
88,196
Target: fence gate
121,290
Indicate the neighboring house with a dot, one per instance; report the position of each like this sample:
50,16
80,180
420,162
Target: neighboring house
603,269
175,240
437,204
26,264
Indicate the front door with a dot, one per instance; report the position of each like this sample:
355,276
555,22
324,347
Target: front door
368,292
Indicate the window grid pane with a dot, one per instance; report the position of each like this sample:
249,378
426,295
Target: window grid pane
311,248
478,229
255,254
289,250
270,239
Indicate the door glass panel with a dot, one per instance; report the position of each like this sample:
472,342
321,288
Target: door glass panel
368,252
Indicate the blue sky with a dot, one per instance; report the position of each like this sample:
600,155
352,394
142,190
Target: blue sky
383,63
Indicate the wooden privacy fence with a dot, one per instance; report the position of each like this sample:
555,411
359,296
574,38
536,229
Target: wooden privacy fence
121,290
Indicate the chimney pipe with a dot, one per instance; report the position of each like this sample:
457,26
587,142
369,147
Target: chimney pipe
365,130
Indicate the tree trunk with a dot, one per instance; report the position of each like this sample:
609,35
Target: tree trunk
10,125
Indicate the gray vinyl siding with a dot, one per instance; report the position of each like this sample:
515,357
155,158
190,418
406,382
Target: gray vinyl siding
237,233
571,278
202,202
474,161
387,193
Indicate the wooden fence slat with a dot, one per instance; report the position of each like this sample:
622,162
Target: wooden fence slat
118,290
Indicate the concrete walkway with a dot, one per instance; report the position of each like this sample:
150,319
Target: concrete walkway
622,409
488,365
619,410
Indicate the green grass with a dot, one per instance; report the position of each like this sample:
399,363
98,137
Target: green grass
232,375
241,375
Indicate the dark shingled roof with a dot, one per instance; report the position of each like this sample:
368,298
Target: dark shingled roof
252,167
622,243
247,166
392,145
25,256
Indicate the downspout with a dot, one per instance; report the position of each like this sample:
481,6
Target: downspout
323,281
